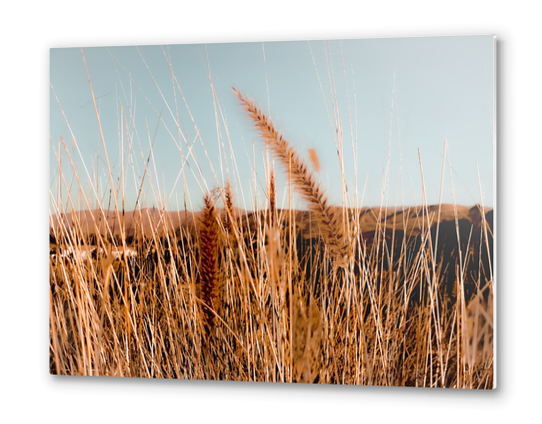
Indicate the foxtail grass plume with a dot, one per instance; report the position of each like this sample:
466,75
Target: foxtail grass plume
229,212
272,199
329,221
208,281
314,159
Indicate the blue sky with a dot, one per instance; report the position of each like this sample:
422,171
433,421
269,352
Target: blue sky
394,96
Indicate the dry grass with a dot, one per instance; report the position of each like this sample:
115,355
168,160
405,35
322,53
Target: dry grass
217,298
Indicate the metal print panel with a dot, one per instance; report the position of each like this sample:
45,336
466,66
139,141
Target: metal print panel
304,211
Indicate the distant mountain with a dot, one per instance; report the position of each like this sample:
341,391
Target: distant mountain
411,220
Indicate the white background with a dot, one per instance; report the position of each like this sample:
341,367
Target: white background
28,30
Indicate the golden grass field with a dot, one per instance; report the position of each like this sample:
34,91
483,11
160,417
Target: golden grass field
397,296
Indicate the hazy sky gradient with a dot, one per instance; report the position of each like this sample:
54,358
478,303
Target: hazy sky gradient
403,93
